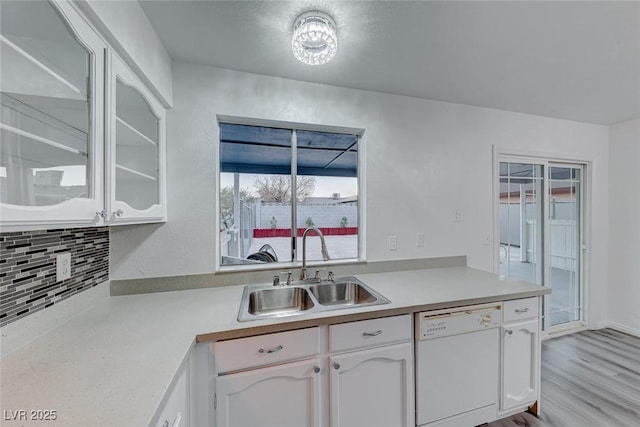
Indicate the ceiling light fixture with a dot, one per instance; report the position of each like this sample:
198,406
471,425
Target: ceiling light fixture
314,41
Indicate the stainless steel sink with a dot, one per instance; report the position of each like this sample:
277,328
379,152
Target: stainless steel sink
343,293
312,296
281,301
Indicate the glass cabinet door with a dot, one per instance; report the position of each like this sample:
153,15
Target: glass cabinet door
136,150
51,114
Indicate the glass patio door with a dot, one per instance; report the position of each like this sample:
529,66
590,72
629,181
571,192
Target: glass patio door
564,218
521,212
540,216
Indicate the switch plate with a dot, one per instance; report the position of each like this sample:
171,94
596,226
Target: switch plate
63,267
420,240
393,243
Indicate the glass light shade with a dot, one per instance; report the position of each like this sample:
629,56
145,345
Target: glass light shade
315,41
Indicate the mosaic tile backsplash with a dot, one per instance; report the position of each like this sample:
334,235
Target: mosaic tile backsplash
28,268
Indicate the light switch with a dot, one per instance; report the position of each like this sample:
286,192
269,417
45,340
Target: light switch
393,243
63,267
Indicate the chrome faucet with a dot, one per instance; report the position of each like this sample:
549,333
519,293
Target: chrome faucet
323,248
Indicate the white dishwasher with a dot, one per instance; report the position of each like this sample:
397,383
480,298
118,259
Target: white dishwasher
457,361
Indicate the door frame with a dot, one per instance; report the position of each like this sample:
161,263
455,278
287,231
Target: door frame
503,154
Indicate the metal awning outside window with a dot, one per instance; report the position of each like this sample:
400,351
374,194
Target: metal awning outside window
265,150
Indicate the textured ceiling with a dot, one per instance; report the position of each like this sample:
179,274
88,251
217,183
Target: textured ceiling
566,59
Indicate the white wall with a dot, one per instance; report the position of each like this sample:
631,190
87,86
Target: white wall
624,216
423,161
126,27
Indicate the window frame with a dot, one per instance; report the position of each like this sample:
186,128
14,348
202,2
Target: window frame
294,127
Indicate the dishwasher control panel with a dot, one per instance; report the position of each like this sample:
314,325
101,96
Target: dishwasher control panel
440,323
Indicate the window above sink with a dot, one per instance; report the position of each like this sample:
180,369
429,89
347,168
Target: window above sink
276,180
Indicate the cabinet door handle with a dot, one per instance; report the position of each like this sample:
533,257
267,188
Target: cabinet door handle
522,310
372,334
509,331
336,365
316,369
118,213
271,350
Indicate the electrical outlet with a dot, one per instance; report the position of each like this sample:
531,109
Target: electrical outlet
393,243
457,217
63,267
420,240
486,240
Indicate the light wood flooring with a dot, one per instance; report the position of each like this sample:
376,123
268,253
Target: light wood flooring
589,379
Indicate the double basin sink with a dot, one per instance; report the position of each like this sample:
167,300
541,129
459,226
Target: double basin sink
268,301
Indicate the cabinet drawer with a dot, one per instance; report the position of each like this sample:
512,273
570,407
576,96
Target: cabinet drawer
369,333
520,309
267,349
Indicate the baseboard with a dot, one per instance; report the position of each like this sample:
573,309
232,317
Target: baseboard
618,327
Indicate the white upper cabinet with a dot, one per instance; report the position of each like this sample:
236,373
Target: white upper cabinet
82,142
135,152
51,122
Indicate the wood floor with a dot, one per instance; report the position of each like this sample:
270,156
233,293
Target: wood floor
589,379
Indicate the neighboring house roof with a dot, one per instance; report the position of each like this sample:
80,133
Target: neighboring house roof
329,200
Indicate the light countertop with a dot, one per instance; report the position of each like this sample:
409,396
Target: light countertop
112,364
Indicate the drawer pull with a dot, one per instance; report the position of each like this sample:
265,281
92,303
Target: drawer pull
522,310
271,350
372,334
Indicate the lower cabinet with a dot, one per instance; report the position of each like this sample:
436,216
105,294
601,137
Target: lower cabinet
342,375
176,409
520,349
364,381
287,395
372,387
520,382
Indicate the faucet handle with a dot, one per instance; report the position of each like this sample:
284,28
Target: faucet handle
317,275
276,280
330,277
289,277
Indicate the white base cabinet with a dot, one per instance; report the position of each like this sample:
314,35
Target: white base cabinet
286,395
176,410
346,375
372,387
520,364
361,373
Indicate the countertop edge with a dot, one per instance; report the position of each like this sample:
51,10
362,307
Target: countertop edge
296,323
